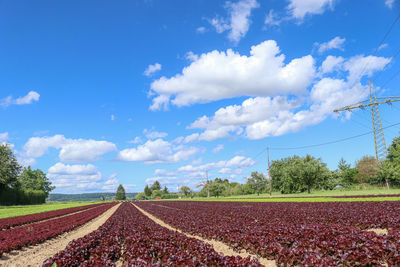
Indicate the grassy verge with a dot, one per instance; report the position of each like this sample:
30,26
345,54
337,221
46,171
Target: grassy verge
13,211
316,199
328,193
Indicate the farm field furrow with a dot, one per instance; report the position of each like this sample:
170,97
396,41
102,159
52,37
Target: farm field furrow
19,237
322,234
145,243
31,218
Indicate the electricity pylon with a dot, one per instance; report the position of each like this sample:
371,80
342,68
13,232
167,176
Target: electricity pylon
373,102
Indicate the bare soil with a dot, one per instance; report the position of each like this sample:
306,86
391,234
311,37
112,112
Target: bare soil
378,231
36,255
218,246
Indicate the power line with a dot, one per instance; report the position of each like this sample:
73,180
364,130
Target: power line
377,48
331,142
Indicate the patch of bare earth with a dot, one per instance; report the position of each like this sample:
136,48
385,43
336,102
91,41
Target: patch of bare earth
36,255
218,246
378,231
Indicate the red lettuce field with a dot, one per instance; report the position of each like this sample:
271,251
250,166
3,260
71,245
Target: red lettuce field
289,234
302,234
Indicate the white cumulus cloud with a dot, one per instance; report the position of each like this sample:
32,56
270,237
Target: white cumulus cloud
335,43
298,9
151,69
220,75
157,151
31,97
238,20
71,150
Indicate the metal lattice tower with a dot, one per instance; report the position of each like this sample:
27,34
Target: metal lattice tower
373,102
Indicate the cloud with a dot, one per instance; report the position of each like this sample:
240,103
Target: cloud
335,43
191,56
24,100
112,117
191,174
382,46
157,151
137,140
220,75
238,21
71,150
75,177
298,9
151,134
218,148
261,117
151,69
111,184
331,63
272,19
389,3
162,180
201,30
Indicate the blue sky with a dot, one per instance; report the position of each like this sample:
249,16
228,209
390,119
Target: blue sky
98,93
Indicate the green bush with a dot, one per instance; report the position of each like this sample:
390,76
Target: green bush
22,197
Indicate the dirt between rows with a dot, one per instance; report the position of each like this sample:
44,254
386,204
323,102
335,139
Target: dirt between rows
378,231
36,255
218,246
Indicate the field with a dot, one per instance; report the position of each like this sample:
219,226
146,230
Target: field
12,211
209,233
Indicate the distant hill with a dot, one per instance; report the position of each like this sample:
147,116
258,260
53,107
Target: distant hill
86,196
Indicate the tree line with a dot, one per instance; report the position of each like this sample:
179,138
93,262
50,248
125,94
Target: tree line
21,185
297,174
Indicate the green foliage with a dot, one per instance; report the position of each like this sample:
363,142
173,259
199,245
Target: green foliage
389,171
35,180
257,182
348,177
186,191
295,174
18,196
157,193
368,167
165,190
9,168
140,196
120,195
394,150
147,191
218,186
156,186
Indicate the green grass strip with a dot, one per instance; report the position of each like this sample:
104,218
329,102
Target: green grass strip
13,211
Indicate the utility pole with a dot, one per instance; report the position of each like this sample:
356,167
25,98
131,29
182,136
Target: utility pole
373,102
269,175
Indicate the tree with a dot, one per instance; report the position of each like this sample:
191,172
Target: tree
9,168
35,180
120,193
206,186
156,186
343,166
394,150
388,172
140,196
217,187
147,191
165,190
156,193
257,182
368,167
296,174
186,191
